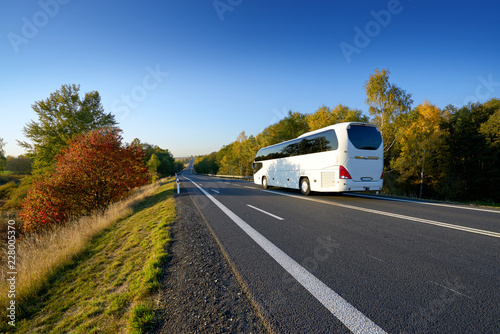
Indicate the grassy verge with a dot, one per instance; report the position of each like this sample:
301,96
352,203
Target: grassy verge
104,284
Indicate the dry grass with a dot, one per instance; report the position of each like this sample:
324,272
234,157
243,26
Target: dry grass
38,255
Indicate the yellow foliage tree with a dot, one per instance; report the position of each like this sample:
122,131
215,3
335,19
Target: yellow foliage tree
421,146
320,119
325,116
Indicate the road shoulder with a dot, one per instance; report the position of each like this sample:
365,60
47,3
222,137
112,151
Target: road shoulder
199,292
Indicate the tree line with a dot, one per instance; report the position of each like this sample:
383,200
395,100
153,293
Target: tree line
451,153
77,161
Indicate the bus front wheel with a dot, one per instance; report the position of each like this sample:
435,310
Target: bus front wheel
264,182
305,187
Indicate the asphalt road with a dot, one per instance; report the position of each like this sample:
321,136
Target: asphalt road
341,263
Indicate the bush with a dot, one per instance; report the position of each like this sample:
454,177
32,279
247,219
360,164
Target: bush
19,194
94,171
6,189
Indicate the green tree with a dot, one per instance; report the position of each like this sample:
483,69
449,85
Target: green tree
61,117
167,164
292,126
474,159
206,164
20,165
153,164
491,128
389,106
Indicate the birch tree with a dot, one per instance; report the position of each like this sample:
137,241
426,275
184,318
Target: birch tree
389,105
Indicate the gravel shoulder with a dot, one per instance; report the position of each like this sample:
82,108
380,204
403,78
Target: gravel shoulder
199,292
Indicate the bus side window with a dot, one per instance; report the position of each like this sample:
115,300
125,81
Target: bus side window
256,166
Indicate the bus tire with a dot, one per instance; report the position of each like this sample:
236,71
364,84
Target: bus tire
305,187
264,182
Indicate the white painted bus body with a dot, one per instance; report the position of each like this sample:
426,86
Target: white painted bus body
325,171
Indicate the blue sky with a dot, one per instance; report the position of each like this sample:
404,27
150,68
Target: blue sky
190,75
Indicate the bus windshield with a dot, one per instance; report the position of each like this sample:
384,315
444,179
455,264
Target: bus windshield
364,137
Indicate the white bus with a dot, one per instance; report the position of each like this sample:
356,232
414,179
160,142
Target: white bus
338,158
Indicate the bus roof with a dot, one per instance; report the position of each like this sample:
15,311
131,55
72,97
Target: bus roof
334,126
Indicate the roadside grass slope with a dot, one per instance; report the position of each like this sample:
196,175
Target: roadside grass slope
107,287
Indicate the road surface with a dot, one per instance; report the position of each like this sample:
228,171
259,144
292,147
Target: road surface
343,263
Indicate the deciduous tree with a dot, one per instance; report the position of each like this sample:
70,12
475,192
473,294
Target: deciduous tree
422,148
19,165
167,164
292,126
389,105
153,164
206,164
491,128
61,117
325,116
474,164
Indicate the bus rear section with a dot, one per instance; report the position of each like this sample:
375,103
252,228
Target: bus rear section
361,159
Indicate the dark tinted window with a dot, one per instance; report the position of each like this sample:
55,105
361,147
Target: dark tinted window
256,166
321,142
364,137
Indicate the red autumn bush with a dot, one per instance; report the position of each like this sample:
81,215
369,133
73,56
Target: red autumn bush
95,170
43,206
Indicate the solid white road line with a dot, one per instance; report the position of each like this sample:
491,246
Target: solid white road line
454,206
395,215
267,213
353,319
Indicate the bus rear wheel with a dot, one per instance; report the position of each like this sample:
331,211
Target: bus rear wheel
264,182
305,187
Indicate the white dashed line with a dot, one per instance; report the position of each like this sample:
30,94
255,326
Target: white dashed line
267,213
353,319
